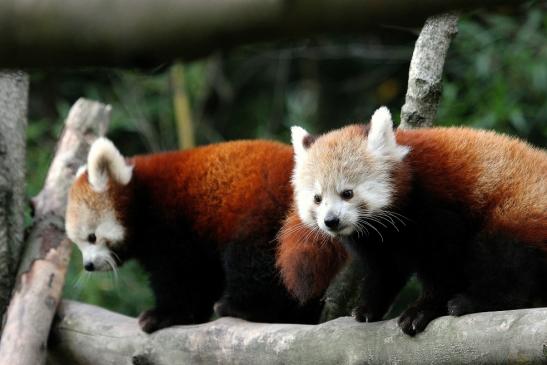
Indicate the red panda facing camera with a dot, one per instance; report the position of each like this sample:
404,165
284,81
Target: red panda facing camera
202,223
465,210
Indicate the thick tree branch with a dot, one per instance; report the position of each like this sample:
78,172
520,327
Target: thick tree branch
45,260
90,335
426,71
13,123
144,32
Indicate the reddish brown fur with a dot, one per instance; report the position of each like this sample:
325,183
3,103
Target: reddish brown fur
222,202
502,181
308,260
203,223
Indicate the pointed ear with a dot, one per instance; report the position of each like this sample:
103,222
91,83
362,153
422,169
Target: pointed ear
381,137
301,141
105,162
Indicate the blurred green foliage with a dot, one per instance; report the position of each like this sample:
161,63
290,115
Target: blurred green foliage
496,75
496,78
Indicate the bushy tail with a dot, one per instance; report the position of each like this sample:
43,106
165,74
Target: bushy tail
308,260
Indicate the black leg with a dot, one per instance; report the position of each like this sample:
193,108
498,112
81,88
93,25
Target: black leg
254,290
429,306
441,248
184,293
440,272
386,272
503,274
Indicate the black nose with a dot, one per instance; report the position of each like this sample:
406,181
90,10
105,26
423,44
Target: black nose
332,222
89,266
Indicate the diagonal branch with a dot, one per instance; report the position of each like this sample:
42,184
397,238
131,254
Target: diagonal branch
43,268
426,71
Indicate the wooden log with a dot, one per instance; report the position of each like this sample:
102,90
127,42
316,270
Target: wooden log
45,260
85,334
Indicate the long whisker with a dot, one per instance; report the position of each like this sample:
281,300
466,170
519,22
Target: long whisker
385,215
115,257
325,241
374,219
77,281
361,229
388,219
291,230
397,216
298,228
309,235
294,228
79,284
110,261
374,228
86,277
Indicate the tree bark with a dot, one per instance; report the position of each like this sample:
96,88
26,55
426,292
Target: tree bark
44,263
32,308
34,33
13,123
86,334
85,121
426,71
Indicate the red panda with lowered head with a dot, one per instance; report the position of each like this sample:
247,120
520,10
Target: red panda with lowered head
202,223
465,210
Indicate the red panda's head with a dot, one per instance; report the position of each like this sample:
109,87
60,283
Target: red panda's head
347,175
93,218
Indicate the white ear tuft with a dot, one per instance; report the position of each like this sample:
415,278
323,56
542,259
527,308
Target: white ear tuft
105,161
381,138
300,141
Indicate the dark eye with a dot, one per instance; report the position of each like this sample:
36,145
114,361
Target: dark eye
92,238
347,194
317,199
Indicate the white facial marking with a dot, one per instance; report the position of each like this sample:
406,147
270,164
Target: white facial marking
346,160
98,255
109,229
83,221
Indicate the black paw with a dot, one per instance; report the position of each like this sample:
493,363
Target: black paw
460,305
153,320
363,313
415,319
